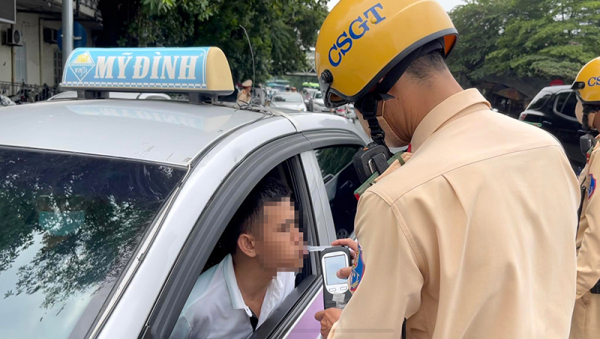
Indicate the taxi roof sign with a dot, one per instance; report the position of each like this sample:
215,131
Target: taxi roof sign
203,70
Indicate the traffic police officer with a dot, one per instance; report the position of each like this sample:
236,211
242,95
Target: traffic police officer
586,317
473,237
245,96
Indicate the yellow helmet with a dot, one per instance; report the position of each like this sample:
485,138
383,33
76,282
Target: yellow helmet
587,83
361,41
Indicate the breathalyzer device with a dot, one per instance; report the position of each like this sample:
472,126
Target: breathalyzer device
335,290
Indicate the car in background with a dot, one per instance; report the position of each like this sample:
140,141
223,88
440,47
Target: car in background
344,111
553,109
316,103
5,101
70,95
351,112
288,100
308,93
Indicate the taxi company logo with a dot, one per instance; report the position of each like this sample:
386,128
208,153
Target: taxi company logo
82,65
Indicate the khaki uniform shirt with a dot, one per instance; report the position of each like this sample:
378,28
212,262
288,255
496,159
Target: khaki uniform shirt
243,98
588,237
473,237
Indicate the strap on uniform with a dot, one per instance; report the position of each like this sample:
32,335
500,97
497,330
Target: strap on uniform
367,105
580,210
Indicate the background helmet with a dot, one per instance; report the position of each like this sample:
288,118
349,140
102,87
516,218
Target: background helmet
363,40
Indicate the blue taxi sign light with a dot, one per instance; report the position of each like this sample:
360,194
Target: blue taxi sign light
197,69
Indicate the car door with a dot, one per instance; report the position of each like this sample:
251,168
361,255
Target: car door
197,252
332,178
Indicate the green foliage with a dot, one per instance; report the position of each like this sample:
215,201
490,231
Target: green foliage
280,30
525,38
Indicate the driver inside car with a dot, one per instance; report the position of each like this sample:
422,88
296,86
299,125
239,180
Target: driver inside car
232,299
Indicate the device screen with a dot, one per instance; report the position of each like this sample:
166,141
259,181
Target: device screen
332,265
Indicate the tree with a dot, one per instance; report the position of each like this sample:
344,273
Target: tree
281,31
526,38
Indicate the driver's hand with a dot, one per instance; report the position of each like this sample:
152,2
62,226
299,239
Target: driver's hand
327,318
345,272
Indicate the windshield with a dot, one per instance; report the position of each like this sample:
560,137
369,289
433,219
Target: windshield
69,225
540,100
318,95
293,98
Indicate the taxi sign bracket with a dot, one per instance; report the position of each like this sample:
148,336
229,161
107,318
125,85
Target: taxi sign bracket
90,95
200,98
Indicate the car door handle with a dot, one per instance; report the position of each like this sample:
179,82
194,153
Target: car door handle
546,123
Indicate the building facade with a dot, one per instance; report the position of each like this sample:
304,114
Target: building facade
31,61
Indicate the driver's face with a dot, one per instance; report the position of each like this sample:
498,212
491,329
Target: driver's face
280,242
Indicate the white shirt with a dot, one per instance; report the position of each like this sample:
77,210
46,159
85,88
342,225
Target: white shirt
216,309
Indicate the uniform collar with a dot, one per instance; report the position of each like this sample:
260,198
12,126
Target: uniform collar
462,103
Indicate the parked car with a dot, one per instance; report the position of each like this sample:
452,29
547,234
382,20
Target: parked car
112,208
308,93
553,109
5,101
288,100
316,103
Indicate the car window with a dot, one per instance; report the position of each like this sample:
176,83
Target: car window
341,181
280,251
295,98
67,232
566,103
539,100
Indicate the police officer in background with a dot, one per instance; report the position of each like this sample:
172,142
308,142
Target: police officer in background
245,96
586,317
473,237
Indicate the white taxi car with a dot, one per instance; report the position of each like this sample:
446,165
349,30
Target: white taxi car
111,208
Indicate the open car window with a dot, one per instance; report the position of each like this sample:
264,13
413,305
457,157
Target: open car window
341,181
290,174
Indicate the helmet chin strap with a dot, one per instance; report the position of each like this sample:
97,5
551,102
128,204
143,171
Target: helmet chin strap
369,103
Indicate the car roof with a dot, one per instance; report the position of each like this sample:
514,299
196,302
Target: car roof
114,95
282,94
556,89
170,132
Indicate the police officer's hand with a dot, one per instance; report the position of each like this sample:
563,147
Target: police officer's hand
345,272
327,318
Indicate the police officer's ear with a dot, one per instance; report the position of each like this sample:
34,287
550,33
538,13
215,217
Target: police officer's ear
247,244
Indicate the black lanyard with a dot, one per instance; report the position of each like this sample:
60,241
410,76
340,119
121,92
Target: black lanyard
253,321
